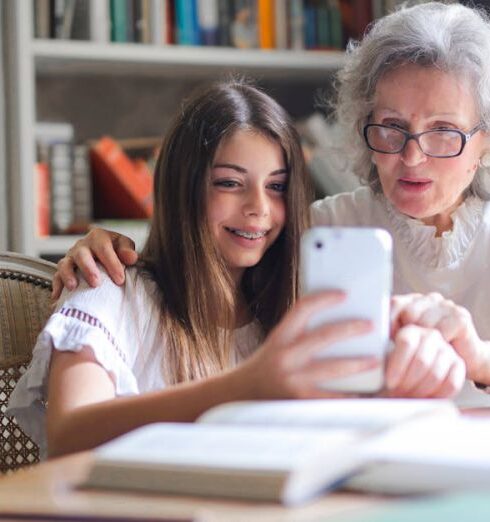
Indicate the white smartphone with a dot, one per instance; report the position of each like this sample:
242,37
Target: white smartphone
359,262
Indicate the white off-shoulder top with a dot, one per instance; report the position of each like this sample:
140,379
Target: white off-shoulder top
121,324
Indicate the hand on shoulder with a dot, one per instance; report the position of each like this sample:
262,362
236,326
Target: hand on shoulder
114,251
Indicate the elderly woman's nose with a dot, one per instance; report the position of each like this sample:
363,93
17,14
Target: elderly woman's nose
412,153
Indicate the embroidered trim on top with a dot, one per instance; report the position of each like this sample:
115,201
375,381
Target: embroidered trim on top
93,321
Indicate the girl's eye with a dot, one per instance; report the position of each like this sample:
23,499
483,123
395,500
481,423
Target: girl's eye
226,183
278,187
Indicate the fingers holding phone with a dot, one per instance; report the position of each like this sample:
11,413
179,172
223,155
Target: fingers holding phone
288,363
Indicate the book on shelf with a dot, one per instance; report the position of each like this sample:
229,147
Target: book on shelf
62,180
287,451
266,24
243,26
123,187
186,22
43,203
60,172
208,20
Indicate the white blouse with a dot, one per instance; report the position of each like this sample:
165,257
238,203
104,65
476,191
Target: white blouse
456,264
121,324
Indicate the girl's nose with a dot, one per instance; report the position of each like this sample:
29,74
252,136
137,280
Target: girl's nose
256,203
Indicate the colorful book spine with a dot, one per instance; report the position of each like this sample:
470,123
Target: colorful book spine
121,189
42,183
324,40
100,21
311,36
208,16
281,24
225,21
158,26
141,22
60,168
336,33
186,20
266,24
119,20
82,189
297,24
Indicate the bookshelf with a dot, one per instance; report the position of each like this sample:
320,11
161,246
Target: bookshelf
30,59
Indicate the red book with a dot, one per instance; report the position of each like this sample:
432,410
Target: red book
42,181
122,187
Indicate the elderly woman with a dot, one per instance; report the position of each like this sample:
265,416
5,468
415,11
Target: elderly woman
414,98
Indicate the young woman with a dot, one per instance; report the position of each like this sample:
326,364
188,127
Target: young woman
198,321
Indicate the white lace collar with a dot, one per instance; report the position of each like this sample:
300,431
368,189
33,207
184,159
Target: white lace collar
451,246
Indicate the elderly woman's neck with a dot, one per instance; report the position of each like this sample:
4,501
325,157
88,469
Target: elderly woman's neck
443,221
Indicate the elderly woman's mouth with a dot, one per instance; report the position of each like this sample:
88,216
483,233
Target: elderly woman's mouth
414,184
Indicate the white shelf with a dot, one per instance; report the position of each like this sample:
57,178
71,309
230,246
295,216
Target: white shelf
56,245
71,57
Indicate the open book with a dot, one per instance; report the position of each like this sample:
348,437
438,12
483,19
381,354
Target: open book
286,451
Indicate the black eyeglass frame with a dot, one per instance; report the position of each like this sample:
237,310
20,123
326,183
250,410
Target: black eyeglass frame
465,137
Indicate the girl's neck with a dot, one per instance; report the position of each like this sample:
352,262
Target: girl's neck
242,311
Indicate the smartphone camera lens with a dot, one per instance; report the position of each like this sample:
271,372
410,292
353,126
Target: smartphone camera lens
318,244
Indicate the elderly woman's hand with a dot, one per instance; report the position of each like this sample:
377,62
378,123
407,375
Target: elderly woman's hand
453,322
111,249
423,364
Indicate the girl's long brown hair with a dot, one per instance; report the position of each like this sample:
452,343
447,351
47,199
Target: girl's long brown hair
196,294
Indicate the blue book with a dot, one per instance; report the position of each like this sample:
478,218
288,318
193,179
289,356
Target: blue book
119,20
187,23
208,16
310,14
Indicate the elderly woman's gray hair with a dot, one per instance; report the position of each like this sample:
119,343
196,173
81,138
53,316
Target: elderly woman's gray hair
452,37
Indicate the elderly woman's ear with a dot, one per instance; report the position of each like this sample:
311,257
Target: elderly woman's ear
485,159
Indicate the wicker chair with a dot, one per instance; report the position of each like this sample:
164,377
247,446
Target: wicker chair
25,288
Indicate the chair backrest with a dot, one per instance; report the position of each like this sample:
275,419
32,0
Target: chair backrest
25,305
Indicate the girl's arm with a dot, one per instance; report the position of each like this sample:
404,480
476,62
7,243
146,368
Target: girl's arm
83,411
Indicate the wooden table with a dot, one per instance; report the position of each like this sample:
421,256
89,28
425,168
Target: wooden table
50,488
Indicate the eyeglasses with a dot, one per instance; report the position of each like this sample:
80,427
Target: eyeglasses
444,143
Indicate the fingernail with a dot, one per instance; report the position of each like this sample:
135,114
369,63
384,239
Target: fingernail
120,279
70,284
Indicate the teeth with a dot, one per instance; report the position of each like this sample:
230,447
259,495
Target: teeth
248,235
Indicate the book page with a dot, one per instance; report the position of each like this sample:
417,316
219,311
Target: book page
222,447
425,456
364,414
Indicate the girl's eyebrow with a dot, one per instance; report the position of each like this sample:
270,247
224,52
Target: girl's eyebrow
230,166
243,170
